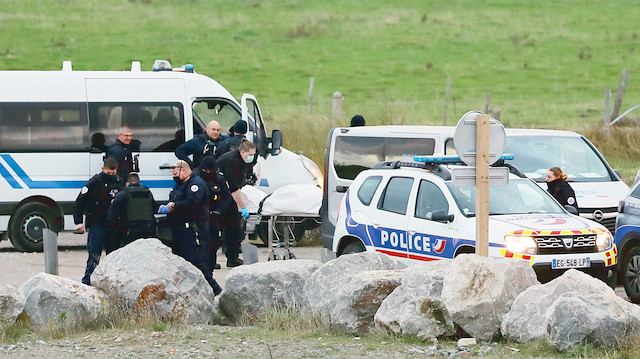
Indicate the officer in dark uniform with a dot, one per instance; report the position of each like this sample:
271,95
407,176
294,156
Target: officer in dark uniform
235,165
188,209
220,204
233,142
92,202
121,151
132,211
559,188
201,146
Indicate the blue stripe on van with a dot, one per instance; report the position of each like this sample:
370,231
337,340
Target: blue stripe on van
57,184
12,181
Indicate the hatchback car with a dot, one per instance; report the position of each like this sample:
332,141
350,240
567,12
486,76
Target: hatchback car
417,214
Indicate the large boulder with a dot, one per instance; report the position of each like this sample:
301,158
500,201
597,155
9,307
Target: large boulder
415,307
572,308
11,304
56,300
255,287
146,274
347,292
479,291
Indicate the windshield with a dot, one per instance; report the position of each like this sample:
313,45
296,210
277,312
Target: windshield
518,197
216,109
534,155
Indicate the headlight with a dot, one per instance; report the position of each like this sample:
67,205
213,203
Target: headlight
521,244
314,170
603,241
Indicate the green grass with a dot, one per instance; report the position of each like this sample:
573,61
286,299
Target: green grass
546,63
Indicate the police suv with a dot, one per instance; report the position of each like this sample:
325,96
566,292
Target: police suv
413,212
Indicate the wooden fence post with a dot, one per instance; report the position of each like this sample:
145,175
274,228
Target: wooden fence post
336,107
622,87
486,103
482,185
607,110
311,84
446,100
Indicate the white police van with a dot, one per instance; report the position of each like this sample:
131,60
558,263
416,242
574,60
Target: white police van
415,213
56,125
349,151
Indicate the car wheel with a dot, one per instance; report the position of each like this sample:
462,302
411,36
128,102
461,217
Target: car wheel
27,225
631,274
353,247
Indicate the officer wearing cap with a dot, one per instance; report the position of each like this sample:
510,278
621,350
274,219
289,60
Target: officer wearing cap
239,129
187,212
202,145
220,204
235,165
92,203
132,211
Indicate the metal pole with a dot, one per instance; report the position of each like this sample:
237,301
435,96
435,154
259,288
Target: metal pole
50,244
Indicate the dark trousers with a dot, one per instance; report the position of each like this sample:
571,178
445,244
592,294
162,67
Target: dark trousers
100,237
186,246
233,234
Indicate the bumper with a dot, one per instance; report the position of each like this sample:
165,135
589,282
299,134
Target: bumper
597,270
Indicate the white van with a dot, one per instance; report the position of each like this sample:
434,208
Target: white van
349,151
56,125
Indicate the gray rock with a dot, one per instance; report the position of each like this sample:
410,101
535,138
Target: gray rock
274,284
146,274
572,308
415,307
479,291
56,300
11,304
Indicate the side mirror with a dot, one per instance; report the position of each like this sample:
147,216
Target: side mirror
441,215
276,142
571,209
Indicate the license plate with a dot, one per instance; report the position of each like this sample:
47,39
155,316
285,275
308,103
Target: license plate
571,263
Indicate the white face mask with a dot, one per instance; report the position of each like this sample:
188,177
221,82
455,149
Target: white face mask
249,159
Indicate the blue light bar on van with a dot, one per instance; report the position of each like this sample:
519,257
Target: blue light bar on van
451,159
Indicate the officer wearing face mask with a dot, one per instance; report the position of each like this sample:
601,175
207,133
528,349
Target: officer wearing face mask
235,165
92,203
187,212
221,204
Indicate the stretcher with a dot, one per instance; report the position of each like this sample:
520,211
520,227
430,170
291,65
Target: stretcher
287,207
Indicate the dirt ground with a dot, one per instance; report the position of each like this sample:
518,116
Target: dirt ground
18,267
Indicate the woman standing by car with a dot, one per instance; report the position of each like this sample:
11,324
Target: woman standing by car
559,188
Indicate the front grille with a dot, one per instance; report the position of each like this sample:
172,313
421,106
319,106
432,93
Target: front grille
604,210
556,244
610,223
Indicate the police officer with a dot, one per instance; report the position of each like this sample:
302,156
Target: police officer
235,165
92,202
188,209
233,142
201,146
132,211
121,151
559,188
220,204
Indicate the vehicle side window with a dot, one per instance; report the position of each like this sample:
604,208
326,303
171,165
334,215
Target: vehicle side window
449,147
368,189
155,127
257,126
397,147
430,199
396,195
220,110
43,127
636,192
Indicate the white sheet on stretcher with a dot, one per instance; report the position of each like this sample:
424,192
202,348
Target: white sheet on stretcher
294,199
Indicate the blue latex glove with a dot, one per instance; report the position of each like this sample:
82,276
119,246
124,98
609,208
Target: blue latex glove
245,212
163,209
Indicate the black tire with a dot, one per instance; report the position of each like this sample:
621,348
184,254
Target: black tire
354,246
26,226
631,274
296,230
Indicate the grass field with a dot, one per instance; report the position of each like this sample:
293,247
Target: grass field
545,63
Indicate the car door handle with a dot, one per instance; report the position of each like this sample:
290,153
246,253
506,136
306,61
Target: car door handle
342,189
412,230
165,166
